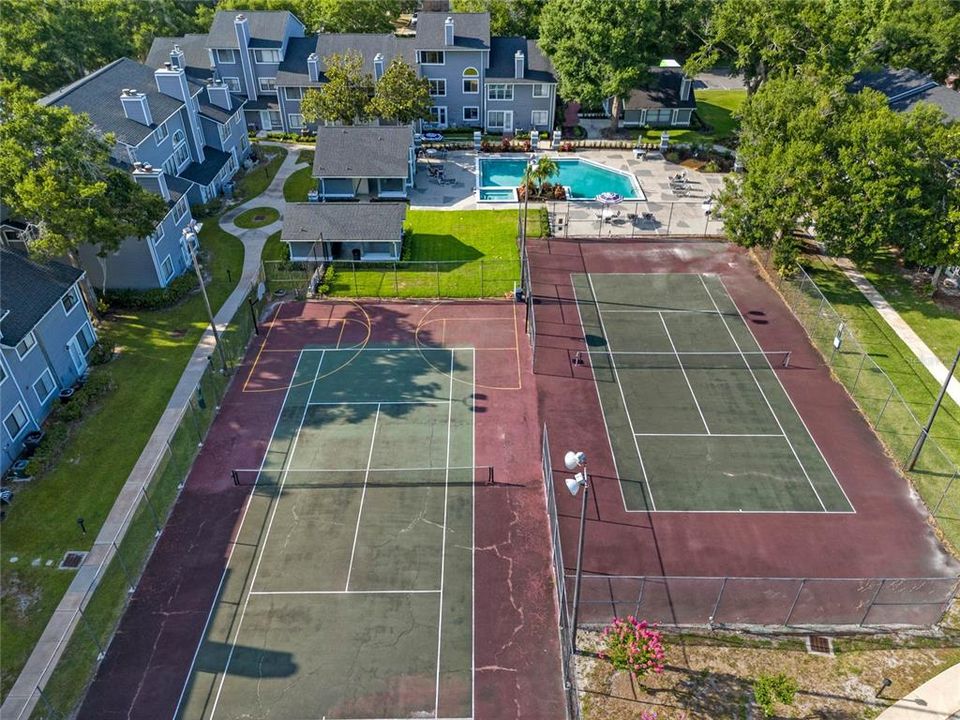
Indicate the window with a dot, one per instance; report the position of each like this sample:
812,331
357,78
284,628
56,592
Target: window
44,386
438,115
438,88
541,90
166,269
169,167
180,209
430,57
3,374
161,133
497,119
226,56
224,131
84,338
497,91
232,83
661,116
293,93
471,81
70,300
266,57
539,118
295,120
178,137
16,421
267,84
181,155
471,113
26,345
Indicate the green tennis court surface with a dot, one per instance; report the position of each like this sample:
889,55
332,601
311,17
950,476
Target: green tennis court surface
349,591
696,415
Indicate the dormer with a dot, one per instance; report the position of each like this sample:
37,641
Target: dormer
135,106
219,94
685,84
378,66
518,64
448,31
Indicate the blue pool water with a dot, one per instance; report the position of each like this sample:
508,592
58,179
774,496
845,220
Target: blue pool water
498,194
585,179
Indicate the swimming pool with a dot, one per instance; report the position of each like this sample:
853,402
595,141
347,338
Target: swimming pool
583,179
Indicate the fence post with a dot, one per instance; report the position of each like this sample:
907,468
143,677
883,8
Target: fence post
481,277
93,636
716,605
396,280
196,420
46,701
863,360
670,218
872,601
356,286
793,606
153,510
123,566
884,408
946,490
436,267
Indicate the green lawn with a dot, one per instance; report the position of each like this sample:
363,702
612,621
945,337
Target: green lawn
457,254
154,348
275,249
301,181
716,108
257,217
256,180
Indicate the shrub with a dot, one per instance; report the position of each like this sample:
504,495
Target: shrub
769,689
566,147
485,146
711,167
155,298
634,646
208,209
505,145
671,156
102,351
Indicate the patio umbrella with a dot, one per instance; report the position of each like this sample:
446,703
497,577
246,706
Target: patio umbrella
607,198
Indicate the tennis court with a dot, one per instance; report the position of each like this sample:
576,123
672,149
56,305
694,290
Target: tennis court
349,588
696,415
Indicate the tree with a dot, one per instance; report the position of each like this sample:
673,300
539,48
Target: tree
507,17
544,169
55,171
364,16
921,34
400,95
600,55
345,95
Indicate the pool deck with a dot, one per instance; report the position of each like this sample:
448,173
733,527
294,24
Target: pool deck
672,214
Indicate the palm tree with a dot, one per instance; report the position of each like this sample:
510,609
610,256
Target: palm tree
528,181
544,169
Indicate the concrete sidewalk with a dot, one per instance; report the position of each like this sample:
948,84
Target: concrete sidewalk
917,346
936,699
23,696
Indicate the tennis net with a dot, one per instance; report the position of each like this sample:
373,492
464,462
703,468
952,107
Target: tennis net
268,478
726,360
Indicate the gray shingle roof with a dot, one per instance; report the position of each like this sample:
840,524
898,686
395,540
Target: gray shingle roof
661,91
194,49
267,28
904,88
537,68
217,113
178,187
204,173
337,222
98,95
943,97
28,290
470,30
362,151
293,70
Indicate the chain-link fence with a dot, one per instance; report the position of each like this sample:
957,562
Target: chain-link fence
631,219
422,279
935,475
115,566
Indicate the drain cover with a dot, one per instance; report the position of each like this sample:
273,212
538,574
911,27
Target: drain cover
820,645
72,560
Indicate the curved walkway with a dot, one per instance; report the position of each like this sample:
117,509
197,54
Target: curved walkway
23,696
936,699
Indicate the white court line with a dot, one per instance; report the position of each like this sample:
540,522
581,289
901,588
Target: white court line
440,401
443,545
473,537
376,469
723,319
626,408
263,545
663,310
794,406
721,435
344,592
387,348
363,495
233,545
683,370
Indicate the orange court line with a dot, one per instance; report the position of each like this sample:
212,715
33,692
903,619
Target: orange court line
262,346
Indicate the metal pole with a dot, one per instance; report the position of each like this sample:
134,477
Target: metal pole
481,275
716,605
190,239
576,587
196,421
933,414
884,408
946,490
356,287
93,636
153,510
670,218
123,566
872,601
786,621
253,313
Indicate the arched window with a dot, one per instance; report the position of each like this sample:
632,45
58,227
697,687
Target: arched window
471,81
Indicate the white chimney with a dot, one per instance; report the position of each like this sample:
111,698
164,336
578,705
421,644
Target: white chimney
378,66
136,107
313,67
518,62
685,86
177,58
152,179
219,94
448,31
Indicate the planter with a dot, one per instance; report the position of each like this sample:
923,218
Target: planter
31,442
18,471
66,395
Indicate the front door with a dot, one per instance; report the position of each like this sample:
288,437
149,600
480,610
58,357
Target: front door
270,120
508,121
77,356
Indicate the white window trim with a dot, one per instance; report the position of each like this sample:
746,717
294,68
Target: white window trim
183,137
3,374
53,385
290,123
504,125
156,133
233,56
260,87
420,54
438,80
226,81
537,112
181,202
463,86
75,293
186,160
169,277
32,335
288,88
506,86
533,90
446,116
267,62
471,107
26,423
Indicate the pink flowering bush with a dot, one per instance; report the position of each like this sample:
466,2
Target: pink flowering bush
634,646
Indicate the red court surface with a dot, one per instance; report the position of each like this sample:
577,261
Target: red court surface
887,536
516,656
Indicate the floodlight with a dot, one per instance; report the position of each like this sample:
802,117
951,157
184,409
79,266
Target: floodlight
573,460
575,483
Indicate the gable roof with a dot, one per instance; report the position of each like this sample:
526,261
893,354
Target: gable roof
194,49
267,28
293,70
662,90
471,31
28,290
905,88
362,151
98,95
537,68
337,222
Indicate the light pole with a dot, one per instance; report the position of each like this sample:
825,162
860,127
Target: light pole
574,460
933,414
190,239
